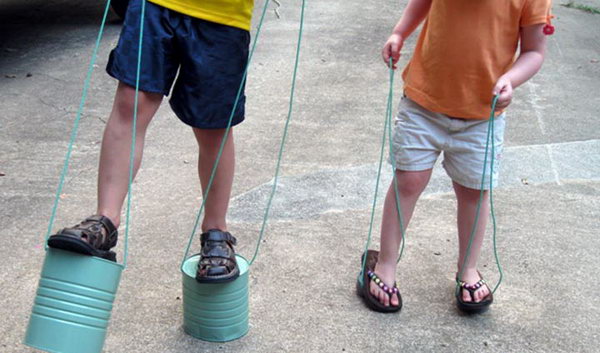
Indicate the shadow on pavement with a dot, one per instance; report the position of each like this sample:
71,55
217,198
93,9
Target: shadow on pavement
34,24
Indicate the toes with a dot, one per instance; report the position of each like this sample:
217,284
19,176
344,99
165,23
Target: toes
477,296
378,293
481,293
466,296
380,296
386,298
383,298
374,290
395,300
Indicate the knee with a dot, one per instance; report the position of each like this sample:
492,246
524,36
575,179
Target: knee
212,138
465,194
124,106
123,109
411,184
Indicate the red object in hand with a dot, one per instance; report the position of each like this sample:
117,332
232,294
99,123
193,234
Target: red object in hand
548,29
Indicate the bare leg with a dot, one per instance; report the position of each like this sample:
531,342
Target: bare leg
209,142
410,186
467,206
113,174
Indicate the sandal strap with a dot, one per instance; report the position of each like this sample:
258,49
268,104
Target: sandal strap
217,236
215,251
90,229
111,231
387,289
472,287
217,257
105,221
217,244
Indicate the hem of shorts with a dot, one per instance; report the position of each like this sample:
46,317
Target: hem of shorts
132,84
486,187
473,185
414,167
233,123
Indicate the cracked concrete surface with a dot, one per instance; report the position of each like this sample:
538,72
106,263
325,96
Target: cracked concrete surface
302,285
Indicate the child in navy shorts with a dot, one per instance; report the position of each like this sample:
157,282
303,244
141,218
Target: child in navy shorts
197,52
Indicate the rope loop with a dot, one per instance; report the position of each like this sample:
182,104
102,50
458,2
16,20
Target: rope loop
281,147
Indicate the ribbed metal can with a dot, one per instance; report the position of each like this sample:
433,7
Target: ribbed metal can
216,312
73,303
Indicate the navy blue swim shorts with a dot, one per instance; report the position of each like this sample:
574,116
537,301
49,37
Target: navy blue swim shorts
210,57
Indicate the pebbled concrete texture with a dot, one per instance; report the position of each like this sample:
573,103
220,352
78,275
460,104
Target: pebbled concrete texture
302,285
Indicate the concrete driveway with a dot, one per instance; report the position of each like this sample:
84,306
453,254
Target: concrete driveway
302,285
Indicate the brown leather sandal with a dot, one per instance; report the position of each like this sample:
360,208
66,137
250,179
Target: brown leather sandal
88,238
217,259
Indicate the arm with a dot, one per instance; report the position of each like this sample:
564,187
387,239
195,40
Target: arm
414,13
531,57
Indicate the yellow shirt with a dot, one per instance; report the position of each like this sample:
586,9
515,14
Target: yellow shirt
463,48
234,13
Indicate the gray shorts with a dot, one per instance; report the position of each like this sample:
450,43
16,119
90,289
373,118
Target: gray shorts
421,135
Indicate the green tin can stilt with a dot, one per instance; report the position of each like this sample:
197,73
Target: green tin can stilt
76,292
73,303
215,312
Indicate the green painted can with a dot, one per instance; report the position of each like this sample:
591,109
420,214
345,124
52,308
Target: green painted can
215,312
73,303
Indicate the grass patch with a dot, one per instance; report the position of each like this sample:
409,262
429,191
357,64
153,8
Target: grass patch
585,8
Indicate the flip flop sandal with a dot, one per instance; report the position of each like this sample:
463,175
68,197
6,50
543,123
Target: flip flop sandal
363,291
217,258
87,238
472,307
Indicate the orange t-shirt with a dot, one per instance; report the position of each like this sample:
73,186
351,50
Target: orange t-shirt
463,48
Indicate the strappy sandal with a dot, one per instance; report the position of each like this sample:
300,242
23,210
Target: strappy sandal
364,292
473,307
87,238
217,259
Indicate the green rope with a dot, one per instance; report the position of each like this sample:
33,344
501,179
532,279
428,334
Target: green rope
393,160
75,128
283,139
133,132
226,135
381,153
490,136
493,215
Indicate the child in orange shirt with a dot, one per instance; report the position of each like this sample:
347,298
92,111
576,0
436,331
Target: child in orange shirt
464,56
